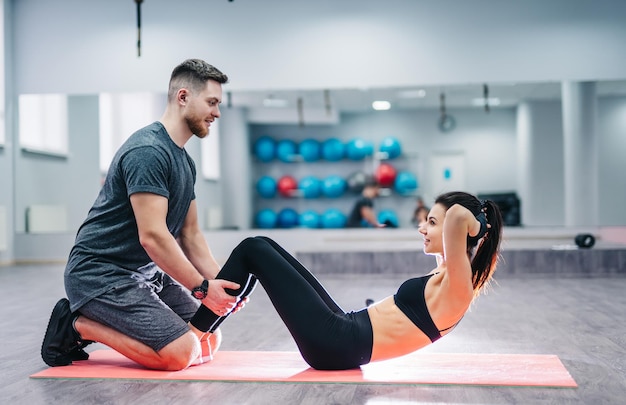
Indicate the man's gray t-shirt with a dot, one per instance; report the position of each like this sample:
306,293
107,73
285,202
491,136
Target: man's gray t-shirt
107,252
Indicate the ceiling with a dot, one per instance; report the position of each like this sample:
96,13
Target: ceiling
426,97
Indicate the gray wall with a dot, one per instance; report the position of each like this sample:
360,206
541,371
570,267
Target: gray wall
84,48
612,156
72,181
540,163
75,46
208,192
6,151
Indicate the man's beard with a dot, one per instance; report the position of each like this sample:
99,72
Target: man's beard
197,127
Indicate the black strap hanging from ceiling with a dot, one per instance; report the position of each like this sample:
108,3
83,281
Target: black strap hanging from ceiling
327,104
138,2
486,97
300,112
446,122
138,27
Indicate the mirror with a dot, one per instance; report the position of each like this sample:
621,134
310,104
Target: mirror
484,114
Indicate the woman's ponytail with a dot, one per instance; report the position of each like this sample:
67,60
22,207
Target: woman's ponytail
485,259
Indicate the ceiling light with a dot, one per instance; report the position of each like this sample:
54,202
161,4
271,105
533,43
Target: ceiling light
416,93
271,102
480,102
381,105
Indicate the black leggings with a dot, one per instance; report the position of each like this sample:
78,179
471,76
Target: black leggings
328,338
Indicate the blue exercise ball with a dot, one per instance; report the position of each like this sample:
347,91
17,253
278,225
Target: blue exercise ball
388,217
310,150
391,146
266,187
333,186
310,186
265,219
358,149
333,218
265,149
310,219
405,183
333,149
287,218
286,150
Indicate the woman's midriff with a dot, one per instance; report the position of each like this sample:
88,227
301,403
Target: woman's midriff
394,333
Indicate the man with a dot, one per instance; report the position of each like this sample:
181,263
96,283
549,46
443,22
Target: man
140,251
363,214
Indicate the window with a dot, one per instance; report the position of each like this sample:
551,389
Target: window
121,115
43,123
210,153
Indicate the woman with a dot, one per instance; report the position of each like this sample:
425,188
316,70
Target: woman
420,213
464,234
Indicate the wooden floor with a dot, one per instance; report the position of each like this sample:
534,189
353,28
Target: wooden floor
579,319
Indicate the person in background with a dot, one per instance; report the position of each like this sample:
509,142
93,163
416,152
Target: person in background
461,231
420,213
140,267
363,214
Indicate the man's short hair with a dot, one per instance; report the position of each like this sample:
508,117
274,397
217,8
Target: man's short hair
193,74
371,182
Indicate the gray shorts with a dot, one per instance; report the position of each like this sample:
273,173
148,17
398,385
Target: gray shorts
153,311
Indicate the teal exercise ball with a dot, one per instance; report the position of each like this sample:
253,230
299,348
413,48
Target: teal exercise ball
358,149
265,219
333,218
309,219
391,146
287,218
265,149
333,186
333,150
389,218
405,183
266,186
310,186
310,150
286,150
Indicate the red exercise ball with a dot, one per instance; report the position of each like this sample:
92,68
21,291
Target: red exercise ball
286,186
385,174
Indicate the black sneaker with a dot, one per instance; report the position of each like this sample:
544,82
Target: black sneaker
79,354
61,343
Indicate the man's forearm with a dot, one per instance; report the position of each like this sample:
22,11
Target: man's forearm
199,254
168,255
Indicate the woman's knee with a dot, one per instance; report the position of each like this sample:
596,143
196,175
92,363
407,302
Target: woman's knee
251,245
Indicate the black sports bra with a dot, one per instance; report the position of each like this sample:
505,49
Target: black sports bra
411,301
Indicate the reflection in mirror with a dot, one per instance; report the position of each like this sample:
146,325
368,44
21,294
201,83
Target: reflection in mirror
99,124
43,123
120,115
210,153
478,95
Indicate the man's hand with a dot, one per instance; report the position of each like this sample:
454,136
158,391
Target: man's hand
217,299
241,304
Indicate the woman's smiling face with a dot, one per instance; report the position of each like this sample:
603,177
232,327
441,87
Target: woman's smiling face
432,230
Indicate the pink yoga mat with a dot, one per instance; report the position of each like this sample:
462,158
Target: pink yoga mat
417,368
